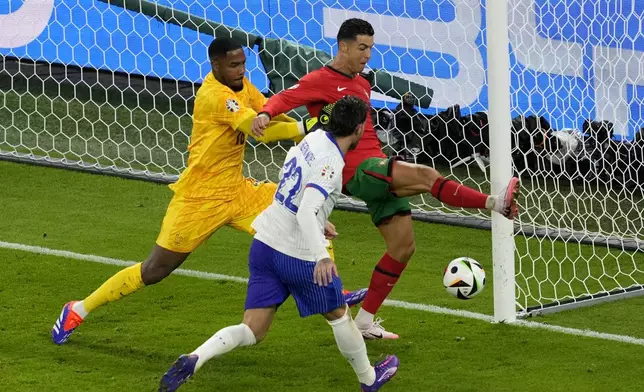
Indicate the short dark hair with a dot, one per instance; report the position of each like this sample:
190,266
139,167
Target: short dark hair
352,28
222,45
347,114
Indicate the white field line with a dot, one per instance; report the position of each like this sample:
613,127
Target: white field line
393,303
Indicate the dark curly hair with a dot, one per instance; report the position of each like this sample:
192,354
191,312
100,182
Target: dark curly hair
347,114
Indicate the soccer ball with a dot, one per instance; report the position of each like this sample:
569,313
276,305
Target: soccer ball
464,278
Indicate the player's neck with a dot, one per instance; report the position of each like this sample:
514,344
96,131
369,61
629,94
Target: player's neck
341,66
344,143
218,78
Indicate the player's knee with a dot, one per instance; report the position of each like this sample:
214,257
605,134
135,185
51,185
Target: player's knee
402,250
154,271
408,250
429,174
335,314
399,238
160,264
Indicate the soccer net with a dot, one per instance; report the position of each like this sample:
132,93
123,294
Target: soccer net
109,85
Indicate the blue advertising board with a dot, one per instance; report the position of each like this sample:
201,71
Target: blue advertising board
570,59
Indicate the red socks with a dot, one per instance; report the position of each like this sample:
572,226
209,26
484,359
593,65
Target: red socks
383,279
458,195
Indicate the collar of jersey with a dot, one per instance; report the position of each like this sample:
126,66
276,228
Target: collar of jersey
338,71
334,142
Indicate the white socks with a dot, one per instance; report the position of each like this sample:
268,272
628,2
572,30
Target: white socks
347,337
364,319
491,203
223,341
79,308
353,348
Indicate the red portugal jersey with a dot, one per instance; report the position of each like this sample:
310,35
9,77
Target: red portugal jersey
324,86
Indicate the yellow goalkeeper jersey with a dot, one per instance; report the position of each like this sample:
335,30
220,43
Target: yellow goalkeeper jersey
216,149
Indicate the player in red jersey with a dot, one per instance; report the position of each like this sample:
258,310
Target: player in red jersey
382,183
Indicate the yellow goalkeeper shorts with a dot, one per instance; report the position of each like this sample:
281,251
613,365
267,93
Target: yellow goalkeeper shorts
189,222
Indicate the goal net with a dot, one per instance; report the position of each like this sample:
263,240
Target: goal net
108,86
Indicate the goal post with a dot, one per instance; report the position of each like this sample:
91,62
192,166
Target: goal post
500,157
550,90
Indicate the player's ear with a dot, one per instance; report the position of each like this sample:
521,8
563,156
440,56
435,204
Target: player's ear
215,64
359,130
342,46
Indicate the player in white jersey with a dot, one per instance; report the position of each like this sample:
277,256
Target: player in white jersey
289,257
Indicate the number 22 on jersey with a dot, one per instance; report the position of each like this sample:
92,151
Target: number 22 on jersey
289,185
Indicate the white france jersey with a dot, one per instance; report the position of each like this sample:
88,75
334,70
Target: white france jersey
316,162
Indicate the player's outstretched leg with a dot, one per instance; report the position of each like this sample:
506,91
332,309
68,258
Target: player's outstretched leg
458,195
409,179
352,346
125,282
251,331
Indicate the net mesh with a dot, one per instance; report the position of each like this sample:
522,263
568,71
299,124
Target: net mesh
93,85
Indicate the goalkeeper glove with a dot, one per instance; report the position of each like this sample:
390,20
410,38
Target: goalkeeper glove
314,123
311,125
325,113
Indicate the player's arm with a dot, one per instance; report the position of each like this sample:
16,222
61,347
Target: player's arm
309,89
276,130
325,268
280,130
325,178
283,118
228,110
258,100
312,200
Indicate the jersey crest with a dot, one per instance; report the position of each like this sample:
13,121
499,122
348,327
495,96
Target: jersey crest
232,105
328,172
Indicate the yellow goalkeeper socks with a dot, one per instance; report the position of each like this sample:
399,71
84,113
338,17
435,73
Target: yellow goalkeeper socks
330,250
123,283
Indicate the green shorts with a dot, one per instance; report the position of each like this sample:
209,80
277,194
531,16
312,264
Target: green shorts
371,183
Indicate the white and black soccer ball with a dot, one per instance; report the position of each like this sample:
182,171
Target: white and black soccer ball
464,278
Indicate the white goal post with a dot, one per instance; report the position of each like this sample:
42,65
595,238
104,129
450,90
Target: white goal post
500,158
551,90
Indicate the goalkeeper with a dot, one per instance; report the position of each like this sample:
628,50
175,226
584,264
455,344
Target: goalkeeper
212,191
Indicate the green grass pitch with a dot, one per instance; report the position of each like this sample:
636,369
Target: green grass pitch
128,345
